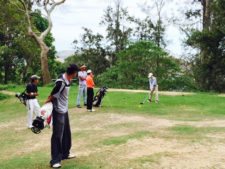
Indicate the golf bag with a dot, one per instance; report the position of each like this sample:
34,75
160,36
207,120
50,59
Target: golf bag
44,119
22,97
99,96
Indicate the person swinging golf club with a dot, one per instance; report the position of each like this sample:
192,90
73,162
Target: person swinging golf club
153,86
61,137
32,102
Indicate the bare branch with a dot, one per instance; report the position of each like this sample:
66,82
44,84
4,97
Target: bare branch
48,12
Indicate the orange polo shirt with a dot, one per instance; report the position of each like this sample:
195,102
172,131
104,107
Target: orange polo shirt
90,82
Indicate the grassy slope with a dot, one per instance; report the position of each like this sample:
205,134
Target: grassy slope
197,107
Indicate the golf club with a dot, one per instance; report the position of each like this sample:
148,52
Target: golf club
145,99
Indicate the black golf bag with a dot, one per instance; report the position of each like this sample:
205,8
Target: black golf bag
99,96
22,97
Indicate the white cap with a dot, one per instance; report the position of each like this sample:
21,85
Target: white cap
150,75
35,77
89,71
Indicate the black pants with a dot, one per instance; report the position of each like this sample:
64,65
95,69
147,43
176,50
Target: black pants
61,137
90,97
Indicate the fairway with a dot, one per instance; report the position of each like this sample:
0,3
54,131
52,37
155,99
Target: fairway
182,131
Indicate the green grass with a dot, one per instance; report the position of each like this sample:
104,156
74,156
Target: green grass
3,96
99,139
192,107
39,160
191,130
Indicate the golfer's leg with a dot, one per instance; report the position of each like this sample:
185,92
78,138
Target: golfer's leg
157,94
79,95
66,142
36,108
30,108
88,99
85,94
57,135
91,98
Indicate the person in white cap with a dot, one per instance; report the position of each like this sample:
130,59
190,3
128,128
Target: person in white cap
90,90
153,86
32,102
82,75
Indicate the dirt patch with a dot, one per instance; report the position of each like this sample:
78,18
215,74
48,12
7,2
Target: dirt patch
221,95
148,152
162,153
7,92
166,93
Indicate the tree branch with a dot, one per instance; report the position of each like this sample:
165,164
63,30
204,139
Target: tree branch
48,12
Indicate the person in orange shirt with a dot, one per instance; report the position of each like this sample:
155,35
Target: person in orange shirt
90,90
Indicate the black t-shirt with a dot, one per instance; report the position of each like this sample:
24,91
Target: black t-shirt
31,88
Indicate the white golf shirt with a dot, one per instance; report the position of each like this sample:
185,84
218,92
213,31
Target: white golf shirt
82,74
152,82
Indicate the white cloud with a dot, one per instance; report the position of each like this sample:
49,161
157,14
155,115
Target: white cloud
69,18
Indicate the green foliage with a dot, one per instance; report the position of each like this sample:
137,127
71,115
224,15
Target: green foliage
134,64
6,87
3,96
19,53
209,65
118,33
91,52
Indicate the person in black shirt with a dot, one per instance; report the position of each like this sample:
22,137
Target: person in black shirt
32,102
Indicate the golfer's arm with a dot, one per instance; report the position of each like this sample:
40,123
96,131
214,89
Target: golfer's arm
81,78
50,99
54,92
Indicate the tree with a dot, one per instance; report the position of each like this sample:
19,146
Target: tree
48,6
89,51
209,64
158,27
144,29
11,32
118,33
134,64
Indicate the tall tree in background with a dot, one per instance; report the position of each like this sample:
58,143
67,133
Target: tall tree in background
118,33
12,33
144,29
209,65
90,51
158,27
48,6
207,14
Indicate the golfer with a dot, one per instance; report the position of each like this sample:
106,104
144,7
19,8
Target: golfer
153,86
61,137
82,75
32,102
90,90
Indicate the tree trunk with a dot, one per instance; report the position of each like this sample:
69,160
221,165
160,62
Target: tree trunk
206,14
204,55
44,64
6,73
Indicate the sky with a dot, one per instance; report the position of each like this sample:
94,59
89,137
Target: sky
70,17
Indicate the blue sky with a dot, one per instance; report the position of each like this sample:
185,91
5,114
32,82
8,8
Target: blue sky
69,18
